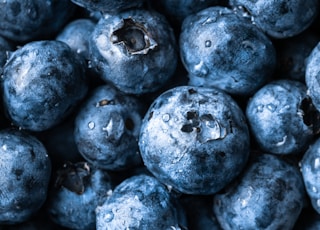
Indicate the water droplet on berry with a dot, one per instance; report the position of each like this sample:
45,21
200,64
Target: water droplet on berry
260,108
318,202
109,216
314,189
208,43
271,107
166,117
91,125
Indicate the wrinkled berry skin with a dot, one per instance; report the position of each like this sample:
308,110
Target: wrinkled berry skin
280,117
268,195
42,83
194,139
25,172
139,202
109,6
76,34
279,19
23,21
107,127
134,50
79,189
219,49
312,75
310,169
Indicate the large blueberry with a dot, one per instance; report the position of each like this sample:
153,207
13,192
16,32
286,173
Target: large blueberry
194,139
107,128
134,50
310,169
281,117
25,173
79,189
42,83
26,20
312,75
109,6
268,195
279,19
139,202
219,49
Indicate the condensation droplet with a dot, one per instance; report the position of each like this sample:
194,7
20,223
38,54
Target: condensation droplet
271,107
91,125
318,202
166,117
314,189
109,216
260,108
208,43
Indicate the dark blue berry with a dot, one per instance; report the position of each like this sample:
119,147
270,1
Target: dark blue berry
194,139
107,127
25,173
79,190
281,117
219,49
26,20
268,195
279,19
134,50
139,202
42,83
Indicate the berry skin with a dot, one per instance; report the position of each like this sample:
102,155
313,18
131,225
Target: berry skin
312,75
26,20
280,116
220,49
310,169
78,190
76,34
42,83
194,139
139,202
5,47
280,19
269,195
134,50
25,172
107,128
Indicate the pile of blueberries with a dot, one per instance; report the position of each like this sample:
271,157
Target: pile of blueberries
164,115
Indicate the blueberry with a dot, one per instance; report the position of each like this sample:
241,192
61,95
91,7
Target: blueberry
134,50
219,49
79,189
107,128
194,139
281,117
139,202
268,195
26,20
312,75
76,34
109,6
25,173
42,83
279,19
